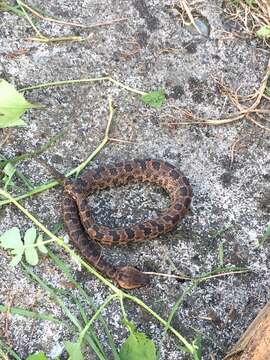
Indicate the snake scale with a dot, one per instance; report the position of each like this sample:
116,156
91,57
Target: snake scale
80,225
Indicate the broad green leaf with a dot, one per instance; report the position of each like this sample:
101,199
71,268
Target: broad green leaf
267,91
38,356
41,247
30,236
264,32
74,350
11,239
12,105
31,255
154,99
137,346
16,259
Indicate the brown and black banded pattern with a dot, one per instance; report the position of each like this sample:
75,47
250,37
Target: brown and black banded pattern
78,220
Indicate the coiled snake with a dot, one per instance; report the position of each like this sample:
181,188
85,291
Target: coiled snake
80,225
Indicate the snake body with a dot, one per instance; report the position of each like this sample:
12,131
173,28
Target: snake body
80,225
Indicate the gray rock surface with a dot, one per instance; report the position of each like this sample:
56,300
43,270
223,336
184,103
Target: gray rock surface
225,195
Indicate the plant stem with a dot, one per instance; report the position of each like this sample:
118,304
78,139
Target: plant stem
76,170
29,19
58,240
95,316
117,292
101,145
33,153
83,81
121,299
188,346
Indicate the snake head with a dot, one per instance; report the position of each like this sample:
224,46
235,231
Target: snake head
128,277
73,188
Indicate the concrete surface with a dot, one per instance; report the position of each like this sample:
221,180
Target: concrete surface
132,52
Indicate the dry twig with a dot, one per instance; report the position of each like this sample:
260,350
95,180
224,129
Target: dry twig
68,23
252,16
247,112
186,11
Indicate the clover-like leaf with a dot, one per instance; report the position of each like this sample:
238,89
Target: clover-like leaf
31,254
12,105
41,247
11,239
74,350
154,99
137,346
18,254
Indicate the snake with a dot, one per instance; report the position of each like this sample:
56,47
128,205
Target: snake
84,230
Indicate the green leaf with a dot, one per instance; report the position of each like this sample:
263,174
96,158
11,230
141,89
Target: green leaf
267,91
38,356
264,32
30,236
16,259
74,350
17,256
12,105
11,239
41,247
137,346
9,169
31,255
154,99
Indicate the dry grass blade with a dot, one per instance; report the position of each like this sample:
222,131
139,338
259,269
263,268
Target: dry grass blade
251,15
186,9
248,112
67,23
199,278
